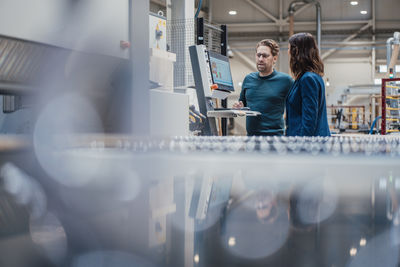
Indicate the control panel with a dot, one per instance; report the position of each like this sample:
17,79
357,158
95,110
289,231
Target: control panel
204,69
202,72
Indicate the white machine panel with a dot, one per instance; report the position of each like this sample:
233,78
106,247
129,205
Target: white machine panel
205,69
94,26
169,114
158,32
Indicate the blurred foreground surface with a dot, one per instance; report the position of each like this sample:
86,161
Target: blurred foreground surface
200,201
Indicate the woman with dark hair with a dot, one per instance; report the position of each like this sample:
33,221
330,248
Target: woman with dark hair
306,104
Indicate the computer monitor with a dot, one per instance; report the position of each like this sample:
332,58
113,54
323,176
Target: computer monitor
221,71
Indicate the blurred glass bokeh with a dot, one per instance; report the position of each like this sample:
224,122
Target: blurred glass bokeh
121,201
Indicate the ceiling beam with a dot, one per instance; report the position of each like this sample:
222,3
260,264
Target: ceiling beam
250,63
351,37
244,36
262,10
263,24
162,3
250,46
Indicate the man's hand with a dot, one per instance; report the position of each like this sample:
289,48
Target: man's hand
238,105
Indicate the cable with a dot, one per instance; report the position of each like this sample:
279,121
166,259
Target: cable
373,124
198,9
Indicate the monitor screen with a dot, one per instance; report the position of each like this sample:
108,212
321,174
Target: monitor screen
221,71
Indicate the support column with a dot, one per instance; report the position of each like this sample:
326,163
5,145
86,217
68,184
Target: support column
139,60
280,19
373,53
181,38
169,11
210,39
224,50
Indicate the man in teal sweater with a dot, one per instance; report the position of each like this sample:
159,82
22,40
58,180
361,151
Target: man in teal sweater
265,91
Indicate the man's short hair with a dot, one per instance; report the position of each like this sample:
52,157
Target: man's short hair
271,44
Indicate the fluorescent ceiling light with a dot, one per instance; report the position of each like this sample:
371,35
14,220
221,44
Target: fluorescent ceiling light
232,12
353,252
196,258
353,3
232,241
363,12
383,68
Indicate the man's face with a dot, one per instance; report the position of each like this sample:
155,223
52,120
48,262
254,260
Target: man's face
263,209
265,60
